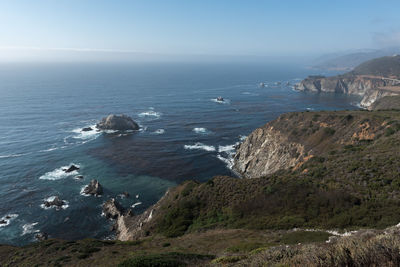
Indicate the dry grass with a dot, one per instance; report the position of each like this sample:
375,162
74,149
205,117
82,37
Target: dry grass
366,248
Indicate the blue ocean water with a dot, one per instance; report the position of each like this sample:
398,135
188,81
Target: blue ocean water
185,134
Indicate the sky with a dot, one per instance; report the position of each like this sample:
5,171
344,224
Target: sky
166,29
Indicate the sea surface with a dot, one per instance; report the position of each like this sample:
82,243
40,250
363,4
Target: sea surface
185,134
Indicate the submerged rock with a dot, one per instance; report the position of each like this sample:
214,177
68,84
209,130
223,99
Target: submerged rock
112,208
117,122
3,222
56,202
42,236
87,129
8,217
79,177
125,194
71,169
93,188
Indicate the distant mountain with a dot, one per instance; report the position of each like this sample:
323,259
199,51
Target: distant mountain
348,61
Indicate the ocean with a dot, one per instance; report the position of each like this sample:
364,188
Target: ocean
185,134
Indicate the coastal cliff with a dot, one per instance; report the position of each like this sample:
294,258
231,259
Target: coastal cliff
372,80
313,167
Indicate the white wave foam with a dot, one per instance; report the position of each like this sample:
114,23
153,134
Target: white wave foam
29,228
310,109
227,153
82,192
242,137
65,206
110,131
159,131
136,204
59,173
8,220
86,135
13,155
48,150
200,130
229,149
200,146
250,94
227,160
225,101
150,113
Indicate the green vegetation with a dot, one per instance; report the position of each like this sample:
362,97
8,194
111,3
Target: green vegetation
171,259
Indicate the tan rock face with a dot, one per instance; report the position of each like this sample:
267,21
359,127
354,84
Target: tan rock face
365,133
265,151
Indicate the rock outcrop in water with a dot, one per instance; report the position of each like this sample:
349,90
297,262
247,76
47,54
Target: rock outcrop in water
93,188
71,169
112,209
55,202
129,226
117,122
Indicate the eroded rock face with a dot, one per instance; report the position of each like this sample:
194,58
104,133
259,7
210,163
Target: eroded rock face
265,151
93,188
112,209
117,122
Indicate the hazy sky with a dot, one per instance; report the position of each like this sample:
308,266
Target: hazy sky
96,29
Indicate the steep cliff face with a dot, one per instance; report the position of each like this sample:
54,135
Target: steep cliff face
265,151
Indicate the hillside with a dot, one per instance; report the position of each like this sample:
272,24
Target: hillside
384,66
345,176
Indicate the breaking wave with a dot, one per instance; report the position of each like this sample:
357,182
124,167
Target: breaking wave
29,228
200,146
65,206
59,173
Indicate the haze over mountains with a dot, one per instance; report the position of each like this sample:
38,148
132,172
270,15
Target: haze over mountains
346,61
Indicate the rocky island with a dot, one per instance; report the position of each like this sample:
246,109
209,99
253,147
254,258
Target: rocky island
118,123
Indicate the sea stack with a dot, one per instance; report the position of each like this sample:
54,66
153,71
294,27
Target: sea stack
93,188
117,122
55,202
